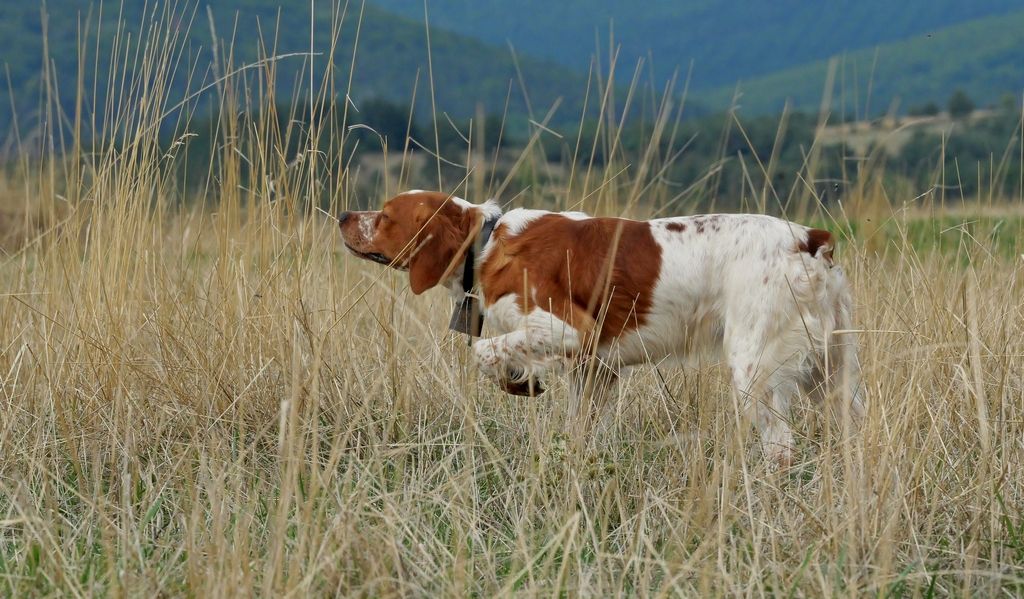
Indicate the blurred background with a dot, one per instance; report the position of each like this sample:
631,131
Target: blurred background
926,87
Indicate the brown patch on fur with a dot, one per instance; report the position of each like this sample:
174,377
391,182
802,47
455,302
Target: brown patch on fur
818,240
700,225
424,231
676,227
569,268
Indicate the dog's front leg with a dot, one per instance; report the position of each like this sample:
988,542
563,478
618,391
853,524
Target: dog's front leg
519,361
514,361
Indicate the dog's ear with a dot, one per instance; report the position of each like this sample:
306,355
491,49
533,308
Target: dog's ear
441,243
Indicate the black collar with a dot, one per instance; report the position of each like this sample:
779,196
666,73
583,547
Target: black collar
467,317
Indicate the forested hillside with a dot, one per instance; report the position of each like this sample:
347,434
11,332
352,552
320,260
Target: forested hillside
725,40
390,55
917,52
982,57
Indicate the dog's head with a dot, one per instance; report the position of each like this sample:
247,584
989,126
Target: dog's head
423,232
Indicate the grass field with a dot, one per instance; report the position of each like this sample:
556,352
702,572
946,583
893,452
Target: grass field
207,397
272,416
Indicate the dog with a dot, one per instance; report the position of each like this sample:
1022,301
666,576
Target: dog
761,293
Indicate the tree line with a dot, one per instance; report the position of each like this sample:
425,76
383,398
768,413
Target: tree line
984,150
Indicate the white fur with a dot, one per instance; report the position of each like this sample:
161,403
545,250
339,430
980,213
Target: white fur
366,226
490,208
739,289
517,220
535,341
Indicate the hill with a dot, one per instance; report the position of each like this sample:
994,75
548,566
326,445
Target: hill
981,57
726,41
392,51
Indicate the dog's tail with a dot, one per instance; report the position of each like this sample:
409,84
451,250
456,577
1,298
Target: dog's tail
835,371
842,350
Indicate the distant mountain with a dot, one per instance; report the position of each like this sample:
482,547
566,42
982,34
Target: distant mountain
984,57
926,49
726,40
392,50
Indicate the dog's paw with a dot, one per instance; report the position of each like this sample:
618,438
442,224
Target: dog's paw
507,371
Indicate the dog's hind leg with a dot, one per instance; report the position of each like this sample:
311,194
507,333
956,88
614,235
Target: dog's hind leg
764,398
766,371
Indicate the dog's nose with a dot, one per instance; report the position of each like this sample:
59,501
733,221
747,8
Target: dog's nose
344,216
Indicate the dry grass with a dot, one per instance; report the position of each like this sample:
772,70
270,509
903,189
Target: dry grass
212,401
274,417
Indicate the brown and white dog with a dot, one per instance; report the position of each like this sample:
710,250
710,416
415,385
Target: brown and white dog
761,292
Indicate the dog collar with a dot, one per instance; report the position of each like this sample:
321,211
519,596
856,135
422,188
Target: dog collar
467,317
